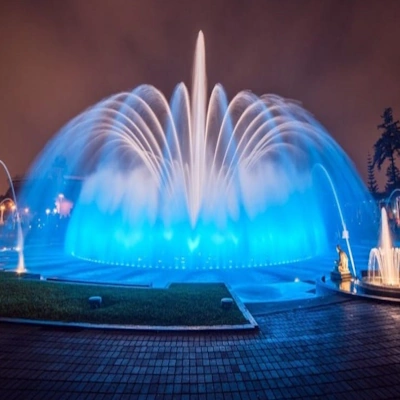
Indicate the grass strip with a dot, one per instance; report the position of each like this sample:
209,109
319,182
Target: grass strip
181,304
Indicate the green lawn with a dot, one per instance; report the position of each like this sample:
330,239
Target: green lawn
181,304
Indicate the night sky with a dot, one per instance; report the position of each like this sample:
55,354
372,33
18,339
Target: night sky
341,59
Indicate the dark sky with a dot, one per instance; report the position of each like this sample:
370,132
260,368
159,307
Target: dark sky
340,58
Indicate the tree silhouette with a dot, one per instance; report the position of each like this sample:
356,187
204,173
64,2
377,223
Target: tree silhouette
372,184
386,148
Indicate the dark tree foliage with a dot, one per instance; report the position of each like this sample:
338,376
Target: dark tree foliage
387,147
372,184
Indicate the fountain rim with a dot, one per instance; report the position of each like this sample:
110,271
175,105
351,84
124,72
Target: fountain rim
325,286
366,284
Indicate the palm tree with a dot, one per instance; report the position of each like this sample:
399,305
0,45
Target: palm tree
386,148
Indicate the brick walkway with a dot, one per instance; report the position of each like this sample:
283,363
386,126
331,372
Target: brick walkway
344,350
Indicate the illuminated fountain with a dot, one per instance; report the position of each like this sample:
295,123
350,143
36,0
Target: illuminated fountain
382,278
197,183
384,261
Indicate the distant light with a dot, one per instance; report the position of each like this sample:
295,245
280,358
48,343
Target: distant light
48,211
296,280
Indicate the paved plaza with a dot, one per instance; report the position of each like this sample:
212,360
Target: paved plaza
346,349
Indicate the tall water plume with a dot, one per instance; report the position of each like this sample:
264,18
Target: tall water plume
384,261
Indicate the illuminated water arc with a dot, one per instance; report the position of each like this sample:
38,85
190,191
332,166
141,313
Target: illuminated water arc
148,161
20,237
345,231
255,153
238,98
391,195
147,155
397,201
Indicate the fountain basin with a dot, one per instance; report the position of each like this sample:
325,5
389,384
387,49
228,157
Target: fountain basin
377,289
357,288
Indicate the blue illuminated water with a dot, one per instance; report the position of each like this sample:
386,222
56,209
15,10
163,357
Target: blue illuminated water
20,238
197,182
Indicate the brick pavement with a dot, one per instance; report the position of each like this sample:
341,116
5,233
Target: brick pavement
346,350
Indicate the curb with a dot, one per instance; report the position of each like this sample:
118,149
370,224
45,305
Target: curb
137,328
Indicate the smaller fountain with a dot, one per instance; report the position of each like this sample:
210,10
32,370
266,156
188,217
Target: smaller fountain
384,261
380,281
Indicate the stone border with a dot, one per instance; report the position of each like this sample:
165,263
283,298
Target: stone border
243,309
137,328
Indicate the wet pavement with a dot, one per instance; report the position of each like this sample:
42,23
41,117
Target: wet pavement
349,348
